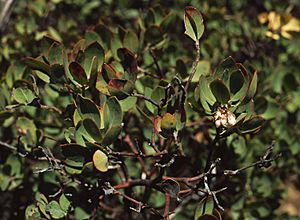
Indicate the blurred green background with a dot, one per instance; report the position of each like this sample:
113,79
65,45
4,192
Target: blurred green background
265,33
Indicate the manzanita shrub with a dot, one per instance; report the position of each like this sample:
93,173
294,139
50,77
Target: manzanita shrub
108,134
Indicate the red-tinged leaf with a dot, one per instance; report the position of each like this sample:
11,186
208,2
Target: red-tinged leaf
156,124
108,72
78,73
193,23
128,60
117,83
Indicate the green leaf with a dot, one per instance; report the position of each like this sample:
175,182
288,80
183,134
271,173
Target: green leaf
111,135
207,98
168,123
29,130
127,104
252,126
55,54
78,73
225,69
153,34
238,85
115,44
32,213
91,51
108,72
112,113
64,203
193,23
23,95
100,161
203,68
37,65
253,86
220,91
88,109
74,164
42,203
80,214
73,150
82,135
5,115
42,76
55,210
67,71
92,129
204,207
131,41
54,34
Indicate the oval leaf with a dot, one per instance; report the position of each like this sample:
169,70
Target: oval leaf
93,50
253,86
23,95
78,73
100,161
253,125
55,210
220,91
88,109
193,23
131,41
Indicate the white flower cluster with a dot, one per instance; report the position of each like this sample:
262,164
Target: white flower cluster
223,117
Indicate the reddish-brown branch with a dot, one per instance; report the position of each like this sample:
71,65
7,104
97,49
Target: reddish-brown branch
134,150
138,182
167,206
186,179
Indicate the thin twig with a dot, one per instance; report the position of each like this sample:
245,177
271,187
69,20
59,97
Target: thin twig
128,140
194,67
156,63
145,98
261,163
51,108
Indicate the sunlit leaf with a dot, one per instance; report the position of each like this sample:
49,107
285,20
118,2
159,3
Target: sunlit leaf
100,161
55,210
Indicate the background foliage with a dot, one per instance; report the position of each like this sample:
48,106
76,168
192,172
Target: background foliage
45,107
